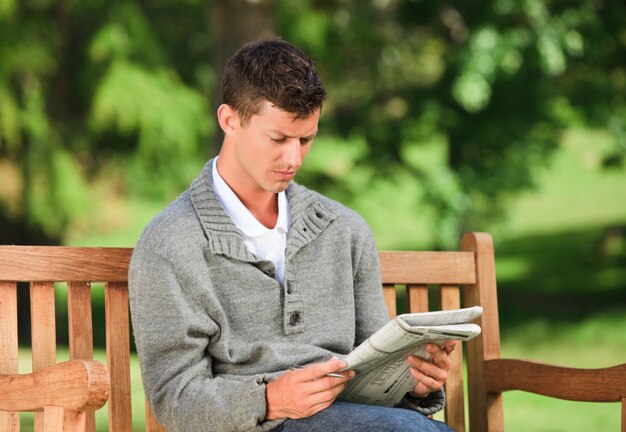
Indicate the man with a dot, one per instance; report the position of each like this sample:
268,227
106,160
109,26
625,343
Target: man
247,289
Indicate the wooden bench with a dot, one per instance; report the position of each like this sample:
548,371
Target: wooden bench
65,395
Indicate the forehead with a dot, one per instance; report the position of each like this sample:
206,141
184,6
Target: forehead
273,119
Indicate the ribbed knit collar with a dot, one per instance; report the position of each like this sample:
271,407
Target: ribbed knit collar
309,217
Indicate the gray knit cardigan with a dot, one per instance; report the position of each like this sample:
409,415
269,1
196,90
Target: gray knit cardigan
212,325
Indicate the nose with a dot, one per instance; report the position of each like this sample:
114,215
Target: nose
292,154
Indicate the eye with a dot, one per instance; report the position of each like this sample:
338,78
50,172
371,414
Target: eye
278,140
305,141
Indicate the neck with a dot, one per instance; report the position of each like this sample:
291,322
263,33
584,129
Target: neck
263,205
264,208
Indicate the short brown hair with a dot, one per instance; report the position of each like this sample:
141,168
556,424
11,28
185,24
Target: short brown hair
272,70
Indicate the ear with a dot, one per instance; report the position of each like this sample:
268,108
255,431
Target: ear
228,119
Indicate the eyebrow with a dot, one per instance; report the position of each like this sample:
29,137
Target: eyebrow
282,134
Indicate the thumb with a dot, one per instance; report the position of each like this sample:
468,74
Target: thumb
318,370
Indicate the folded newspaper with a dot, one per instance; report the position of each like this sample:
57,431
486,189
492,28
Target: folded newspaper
382,372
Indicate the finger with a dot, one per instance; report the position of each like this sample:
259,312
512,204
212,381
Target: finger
439,356
449,346
329,394
419,363
318,370
317,400
425,384
327,383
432,379
428,369
436,374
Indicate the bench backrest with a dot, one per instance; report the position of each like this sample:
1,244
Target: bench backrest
466,278
79,267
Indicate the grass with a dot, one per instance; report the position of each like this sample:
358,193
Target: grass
593,342
562,277
527,412
562,283
574,192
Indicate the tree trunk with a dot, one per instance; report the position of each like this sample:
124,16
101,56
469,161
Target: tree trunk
233,23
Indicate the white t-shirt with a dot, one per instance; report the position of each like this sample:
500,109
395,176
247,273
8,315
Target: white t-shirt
268,244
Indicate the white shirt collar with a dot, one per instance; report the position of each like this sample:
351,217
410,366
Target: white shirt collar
240,215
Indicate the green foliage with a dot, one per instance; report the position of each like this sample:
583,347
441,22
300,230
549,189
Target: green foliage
122,88
169,119
496,81
92,89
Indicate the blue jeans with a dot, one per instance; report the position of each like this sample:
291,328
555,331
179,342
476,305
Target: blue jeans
344,416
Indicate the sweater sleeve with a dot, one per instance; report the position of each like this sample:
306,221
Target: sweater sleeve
427,405
172,335
370,308
371,315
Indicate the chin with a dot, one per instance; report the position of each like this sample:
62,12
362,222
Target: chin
278,188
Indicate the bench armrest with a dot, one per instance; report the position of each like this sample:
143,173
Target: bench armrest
592,385
76,385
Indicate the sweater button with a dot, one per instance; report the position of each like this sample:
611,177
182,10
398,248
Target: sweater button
319,215
294,318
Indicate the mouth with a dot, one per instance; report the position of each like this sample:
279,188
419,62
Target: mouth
285,175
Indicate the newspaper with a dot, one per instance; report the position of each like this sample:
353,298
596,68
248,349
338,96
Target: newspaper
382,373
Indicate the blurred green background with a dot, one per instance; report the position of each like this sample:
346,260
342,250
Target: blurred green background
500,115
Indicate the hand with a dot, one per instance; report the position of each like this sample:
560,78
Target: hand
431,375
304,392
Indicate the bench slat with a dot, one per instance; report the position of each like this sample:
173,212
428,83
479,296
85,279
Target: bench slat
53,419
118,355
76,421
389,292
80,325
43,329
436,268
417,298
9,422
80,331
43,333
57,263
450,298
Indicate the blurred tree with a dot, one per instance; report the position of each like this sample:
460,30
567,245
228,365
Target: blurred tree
494,81
116,90
92,88
120,90
233,23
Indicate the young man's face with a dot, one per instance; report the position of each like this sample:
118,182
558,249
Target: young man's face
271,147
